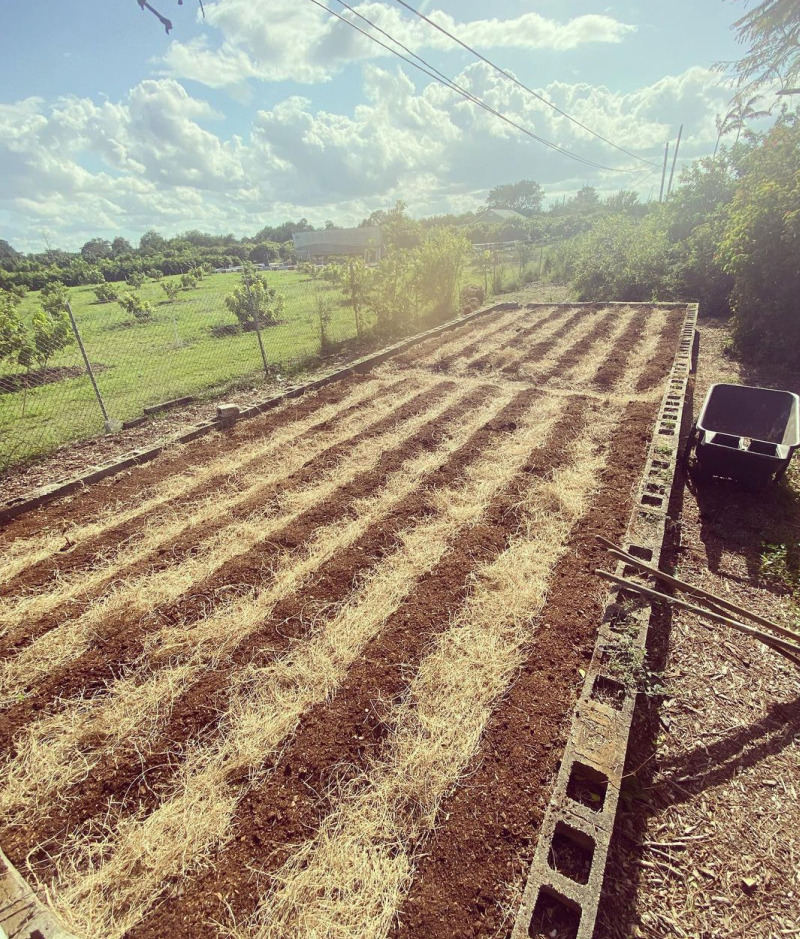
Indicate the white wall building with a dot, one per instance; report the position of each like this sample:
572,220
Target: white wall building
361,242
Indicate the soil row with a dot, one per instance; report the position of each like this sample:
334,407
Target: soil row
121,641
339,738
172,552
195,715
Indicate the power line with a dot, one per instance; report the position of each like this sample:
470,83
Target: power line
524,87
449,83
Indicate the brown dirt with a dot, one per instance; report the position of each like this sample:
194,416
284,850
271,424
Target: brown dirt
488,827
350,729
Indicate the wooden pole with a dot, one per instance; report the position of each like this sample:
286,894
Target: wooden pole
675,160
106,420
772,641
697,591
664,172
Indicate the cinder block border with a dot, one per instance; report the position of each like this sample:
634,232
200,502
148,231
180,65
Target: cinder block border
22,914
39,497
584,802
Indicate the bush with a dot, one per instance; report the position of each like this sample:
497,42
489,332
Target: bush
12,329
106,293
760,247
171,289
323,313
154,274
356,279
189,280
440,261
139,309
136,280
254,300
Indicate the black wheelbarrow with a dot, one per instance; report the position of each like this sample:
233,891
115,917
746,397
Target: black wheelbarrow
746,434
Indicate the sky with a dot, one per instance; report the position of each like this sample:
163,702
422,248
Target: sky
268,110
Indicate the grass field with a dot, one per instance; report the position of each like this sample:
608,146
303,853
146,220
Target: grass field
175,354
273,684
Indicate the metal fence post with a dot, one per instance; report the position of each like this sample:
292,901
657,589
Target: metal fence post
254,314
109,426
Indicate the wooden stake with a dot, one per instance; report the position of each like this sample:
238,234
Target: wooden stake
779,645
698,591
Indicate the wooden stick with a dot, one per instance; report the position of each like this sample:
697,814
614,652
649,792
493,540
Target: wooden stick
740,627
698,591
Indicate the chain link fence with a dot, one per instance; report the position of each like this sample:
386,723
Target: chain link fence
100,363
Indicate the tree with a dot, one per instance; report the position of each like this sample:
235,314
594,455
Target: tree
7,252
54,298
525,197
355,289
106,293
95,249
165,22
440,264
398,231
12,329
771,33
171,289
254,301
189,280
586,198
136,279
761,244
121,246
151,241
139,309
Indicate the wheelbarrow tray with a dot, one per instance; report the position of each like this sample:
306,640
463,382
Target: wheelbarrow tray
747,433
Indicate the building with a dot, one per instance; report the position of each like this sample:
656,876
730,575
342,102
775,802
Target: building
498,216
338,242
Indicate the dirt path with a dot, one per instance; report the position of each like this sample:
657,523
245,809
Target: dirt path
708,836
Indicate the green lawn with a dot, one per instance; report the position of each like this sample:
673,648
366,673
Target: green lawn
174,354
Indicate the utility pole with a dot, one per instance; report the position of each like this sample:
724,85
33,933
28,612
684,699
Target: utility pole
664,172
675,159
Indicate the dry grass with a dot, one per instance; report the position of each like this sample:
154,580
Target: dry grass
584,371
25,552
269,702
350,879
256,477
532,371
433,352
51,752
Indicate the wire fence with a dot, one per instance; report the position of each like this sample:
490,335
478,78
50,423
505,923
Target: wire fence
101,365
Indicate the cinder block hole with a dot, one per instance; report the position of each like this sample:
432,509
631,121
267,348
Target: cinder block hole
644,554
655,501
657,489
571,853
554,916
660,464
608,691
588,786
666,431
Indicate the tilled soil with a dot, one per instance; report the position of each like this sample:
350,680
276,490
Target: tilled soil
475,858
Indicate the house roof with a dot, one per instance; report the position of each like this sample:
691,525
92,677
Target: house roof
502,213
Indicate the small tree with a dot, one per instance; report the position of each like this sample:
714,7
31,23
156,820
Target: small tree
171,289
106,293
12,329
323,313
441,259
355,288
254,301
136,280
189,280
154,274
139,309
54,298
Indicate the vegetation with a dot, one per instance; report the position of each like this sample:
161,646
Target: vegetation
254,302
139,309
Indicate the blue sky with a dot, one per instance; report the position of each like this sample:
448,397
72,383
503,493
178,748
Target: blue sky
269,109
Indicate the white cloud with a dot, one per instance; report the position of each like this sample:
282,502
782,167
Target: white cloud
80,168
290,40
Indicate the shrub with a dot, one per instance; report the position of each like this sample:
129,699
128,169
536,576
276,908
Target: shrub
154,274
106,293
254,300
761,245
323,313
12,329
136,280
189,280
440,261
355,290
54,298
391,294
139,309
171,289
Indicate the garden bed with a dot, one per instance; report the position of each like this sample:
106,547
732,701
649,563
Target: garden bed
315,673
